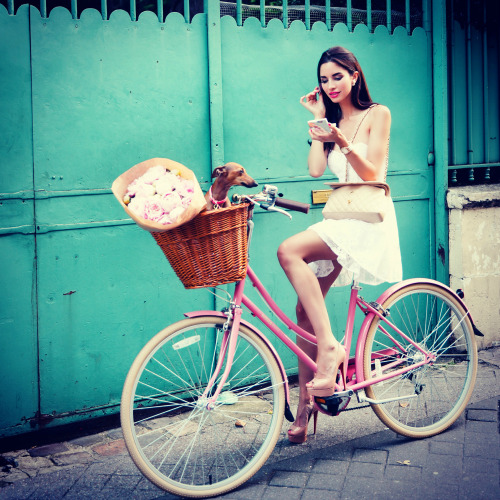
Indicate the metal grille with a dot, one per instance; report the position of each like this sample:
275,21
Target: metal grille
317,13
474,73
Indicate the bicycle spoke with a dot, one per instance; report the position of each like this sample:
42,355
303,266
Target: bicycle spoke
182,437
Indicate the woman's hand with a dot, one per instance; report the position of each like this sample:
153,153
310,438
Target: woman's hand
335,135
313,102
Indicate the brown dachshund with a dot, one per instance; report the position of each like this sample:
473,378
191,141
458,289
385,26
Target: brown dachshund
226,176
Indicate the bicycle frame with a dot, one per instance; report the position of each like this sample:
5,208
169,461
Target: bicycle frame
352,378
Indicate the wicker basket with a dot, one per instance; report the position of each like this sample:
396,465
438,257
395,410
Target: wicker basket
210,249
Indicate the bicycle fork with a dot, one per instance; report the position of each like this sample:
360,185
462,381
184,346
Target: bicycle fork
228,348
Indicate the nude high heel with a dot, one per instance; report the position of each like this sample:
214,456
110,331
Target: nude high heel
325,386
298,434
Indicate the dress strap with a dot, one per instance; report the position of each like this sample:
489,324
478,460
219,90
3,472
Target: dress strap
352,140
361,121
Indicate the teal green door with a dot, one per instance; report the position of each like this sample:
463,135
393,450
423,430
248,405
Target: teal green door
86,98
265,71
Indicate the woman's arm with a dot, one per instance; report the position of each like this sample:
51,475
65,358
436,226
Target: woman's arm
317,158
372,167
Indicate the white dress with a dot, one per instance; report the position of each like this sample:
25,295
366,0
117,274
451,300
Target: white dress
368,253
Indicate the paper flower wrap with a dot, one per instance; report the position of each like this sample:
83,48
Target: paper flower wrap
159,194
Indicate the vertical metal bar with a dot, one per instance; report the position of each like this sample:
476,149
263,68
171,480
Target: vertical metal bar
468,59
496,48
239,13
263,13
285,13
159,9
486,116
215,83
349,15
426,15
454,176
328,13
104,9
216,110
187,13
369,15
389,15
440,101
43,9
471,175
133,11
307,8
452,152
74,9
10,7
407,13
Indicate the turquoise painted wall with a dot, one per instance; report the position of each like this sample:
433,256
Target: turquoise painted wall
18,355
83,287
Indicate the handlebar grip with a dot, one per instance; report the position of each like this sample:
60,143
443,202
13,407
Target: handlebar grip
296,206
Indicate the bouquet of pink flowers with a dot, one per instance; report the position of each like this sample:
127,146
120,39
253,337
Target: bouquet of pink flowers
159,194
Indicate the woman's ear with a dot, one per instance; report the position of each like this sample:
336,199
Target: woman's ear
355,77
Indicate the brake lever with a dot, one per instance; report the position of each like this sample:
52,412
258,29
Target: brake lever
264,203
272,208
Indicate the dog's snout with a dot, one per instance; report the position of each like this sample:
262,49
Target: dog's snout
251,184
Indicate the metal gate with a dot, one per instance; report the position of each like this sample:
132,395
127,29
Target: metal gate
89,94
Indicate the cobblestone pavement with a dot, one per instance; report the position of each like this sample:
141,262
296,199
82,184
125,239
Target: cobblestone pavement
352,456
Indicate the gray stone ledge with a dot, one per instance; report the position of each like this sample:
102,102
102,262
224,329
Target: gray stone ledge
479,196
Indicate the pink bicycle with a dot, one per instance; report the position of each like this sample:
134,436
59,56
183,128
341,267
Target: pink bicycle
204,401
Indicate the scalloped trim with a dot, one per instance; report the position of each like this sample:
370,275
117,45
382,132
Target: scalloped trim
274,24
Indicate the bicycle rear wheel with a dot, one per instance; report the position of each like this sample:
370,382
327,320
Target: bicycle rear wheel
436,321
175,441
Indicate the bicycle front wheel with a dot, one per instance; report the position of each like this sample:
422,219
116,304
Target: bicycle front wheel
173,438
438,391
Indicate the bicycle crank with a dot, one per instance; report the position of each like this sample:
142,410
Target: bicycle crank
333,405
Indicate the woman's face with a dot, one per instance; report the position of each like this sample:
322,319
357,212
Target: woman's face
336,81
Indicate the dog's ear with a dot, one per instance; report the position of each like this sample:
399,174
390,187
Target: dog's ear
219,171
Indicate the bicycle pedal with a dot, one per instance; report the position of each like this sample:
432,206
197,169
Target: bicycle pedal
332,405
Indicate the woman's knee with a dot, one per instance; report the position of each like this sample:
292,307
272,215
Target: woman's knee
285,253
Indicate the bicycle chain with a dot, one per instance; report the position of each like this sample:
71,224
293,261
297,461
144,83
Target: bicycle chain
357,408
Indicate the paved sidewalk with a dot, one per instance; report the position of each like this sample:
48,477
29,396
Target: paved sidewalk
353,456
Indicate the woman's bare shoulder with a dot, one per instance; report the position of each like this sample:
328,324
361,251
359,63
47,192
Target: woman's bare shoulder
381,112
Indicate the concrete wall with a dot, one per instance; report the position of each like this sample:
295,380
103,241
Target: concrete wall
474,229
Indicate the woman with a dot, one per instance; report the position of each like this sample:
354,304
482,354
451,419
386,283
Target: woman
314,259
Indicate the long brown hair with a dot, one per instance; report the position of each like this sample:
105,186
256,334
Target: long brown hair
360,97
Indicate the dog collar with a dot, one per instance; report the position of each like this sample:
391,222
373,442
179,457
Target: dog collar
216,203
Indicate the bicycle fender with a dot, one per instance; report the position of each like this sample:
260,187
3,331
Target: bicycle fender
218,314
363,331
402,284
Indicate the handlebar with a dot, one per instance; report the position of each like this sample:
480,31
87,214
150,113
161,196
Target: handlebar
296,206
270,199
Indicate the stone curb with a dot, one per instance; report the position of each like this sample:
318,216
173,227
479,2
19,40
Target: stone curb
21,464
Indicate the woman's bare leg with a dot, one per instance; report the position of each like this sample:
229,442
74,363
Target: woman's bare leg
305,373
294,255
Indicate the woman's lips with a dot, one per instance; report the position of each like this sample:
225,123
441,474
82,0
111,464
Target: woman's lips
333,95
